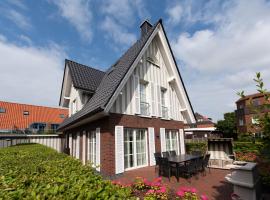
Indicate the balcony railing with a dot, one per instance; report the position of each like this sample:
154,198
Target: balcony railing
164,112
145,108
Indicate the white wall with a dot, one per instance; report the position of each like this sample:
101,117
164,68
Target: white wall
153,75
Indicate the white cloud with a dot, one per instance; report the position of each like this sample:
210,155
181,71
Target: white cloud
31,74
19,19
175,13
120,15
225,58
78,13
18,3
117,32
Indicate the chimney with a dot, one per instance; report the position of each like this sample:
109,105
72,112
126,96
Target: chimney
145,27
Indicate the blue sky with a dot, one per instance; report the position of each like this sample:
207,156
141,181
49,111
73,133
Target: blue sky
219,45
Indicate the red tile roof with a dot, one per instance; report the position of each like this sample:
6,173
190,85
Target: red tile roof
14,117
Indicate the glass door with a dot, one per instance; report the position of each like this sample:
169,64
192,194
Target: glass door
135,150
171,140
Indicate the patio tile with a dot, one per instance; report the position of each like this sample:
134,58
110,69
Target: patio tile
212,184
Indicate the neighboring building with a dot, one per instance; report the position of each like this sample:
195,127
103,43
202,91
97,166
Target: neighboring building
245,115
203,128
136,108
16,117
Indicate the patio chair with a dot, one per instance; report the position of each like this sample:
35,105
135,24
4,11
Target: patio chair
165,169
188,169
199,164
165,154
206,162
172,153
157,158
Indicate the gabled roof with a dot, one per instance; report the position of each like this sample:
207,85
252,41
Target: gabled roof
84,77
112,80
14,118
251,96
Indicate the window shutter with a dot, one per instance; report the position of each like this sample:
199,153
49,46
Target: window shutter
137,94
182,141
119,149
98,148
153,107
77,153
84,148
158,101
162,139
70,144
152,148
170,103
178,143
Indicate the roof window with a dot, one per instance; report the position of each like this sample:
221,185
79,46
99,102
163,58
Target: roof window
2,110
62,116
25,112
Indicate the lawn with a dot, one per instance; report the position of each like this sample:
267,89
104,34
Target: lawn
34,171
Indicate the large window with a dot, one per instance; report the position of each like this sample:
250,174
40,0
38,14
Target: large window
164,109
92,147
144,105
54,127
134,147
171,138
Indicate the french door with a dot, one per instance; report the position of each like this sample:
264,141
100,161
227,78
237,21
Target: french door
135,148
172,143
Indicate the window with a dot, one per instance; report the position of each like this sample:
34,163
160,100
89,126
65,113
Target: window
92,147
144,105
241,106
38,127
171,140
62,116
25,112
163,104
241,122
74,106
134,147
2,110
256,102
54,127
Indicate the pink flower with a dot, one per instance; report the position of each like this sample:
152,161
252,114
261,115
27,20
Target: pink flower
204,197
184,189
180,193
193,190
150,192
162,189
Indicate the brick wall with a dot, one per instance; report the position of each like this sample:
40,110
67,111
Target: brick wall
107,128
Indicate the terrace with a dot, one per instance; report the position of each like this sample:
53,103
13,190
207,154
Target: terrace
211,183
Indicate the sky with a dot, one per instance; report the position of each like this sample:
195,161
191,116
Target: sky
219,45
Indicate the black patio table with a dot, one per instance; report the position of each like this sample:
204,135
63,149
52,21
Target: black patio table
181,159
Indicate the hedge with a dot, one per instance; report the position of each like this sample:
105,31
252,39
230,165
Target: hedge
196,146
33,171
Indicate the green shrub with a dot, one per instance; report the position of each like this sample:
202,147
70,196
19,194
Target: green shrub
196,146
248,147
36,172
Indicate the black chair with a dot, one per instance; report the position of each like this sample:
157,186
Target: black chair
199,163
157,158
166,169
206,162
165,154
172,153
188,169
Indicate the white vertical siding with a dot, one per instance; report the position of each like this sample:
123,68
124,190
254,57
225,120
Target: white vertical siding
156,77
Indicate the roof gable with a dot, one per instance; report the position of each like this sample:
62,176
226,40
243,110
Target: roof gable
110,85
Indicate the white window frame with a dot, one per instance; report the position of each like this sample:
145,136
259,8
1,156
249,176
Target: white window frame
135,166
92,150
144,98
74,106
241,122
169,140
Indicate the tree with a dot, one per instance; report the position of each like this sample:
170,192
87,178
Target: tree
261,113
228,125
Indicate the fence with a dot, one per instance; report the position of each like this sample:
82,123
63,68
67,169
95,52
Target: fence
196,140
53,141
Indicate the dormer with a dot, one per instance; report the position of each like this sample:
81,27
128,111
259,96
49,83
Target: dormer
79,84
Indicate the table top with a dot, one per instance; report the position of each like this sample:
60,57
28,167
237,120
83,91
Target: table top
182,158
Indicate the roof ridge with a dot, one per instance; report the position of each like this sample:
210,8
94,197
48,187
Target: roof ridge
25,104
84,65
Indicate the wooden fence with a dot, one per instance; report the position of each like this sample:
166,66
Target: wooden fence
52,141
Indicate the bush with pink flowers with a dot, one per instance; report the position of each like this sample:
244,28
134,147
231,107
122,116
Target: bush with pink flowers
185,193
142,188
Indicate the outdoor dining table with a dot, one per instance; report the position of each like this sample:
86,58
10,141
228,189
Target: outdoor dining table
181,159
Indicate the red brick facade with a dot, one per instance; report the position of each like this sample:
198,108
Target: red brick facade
107,139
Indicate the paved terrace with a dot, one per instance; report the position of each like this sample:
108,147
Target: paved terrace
212,184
